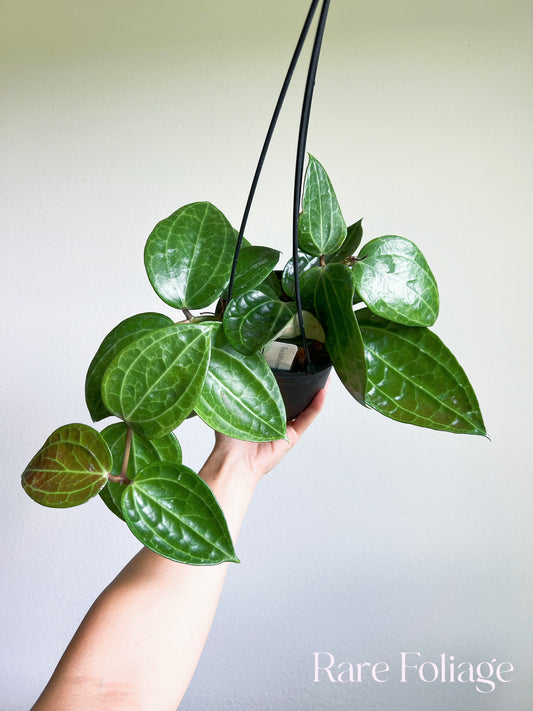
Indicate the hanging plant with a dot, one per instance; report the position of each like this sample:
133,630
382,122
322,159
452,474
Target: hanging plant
364,310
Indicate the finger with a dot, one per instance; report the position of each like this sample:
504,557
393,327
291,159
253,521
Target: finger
302,422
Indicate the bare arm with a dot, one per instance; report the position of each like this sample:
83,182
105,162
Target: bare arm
140,642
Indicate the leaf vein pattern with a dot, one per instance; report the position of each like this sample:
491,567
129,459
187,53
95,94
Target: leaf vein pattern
182,523
399,406
154,384
240,402
424,351
195,250
417,386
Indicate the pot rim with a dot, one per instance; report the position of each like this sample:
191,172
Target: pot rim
300,373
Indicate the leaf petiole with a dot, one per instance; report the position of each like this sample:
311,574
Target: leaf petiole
122,478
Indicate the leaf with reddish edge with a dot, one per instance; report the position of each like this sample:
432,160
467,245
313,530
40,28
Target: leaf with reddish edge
70,468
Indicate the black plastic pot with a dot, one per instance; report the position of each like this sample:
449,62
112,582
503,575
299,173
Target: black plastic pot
298,389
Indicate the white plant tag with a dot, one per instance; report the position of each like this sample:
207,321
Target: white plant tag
280,355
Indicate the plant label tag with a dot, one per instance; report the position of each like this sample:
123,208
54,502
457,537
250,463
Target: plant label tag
280,355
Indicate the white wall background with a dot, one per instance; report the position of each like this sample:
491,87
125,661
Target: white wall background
371,538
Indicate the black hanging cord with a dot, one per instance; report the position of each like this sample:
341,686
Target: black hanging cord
268,138
298,176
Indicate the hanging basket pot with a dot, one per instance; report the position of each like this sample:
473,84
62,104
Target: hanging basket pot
299,388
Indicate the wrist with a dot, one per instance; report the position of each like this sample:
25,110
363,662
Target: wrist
229,464
232,482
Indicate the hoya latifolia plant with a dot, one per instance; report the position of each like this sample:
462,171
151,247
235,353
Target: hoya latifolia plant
152,373
367,310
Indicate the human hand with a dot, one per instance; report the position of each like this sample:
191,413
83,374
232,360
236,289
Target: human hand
260,457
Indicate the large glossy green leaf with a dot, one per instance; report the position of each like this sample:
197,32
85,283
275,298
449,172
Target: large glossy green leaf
253,266
321,227
172,511
188,256
154,382
240,397
395,282
332,291
70,468
142,453
253,319
125,333
414,378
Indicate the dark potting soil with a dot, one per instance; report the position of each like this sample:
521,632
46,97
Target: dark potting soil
318,354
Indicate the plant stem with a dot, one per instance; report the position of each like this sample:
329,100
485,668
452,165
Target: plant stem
122,478
127,448
187,313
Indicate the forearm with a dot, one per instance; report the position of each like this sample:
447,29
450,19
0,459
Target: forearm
141,640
